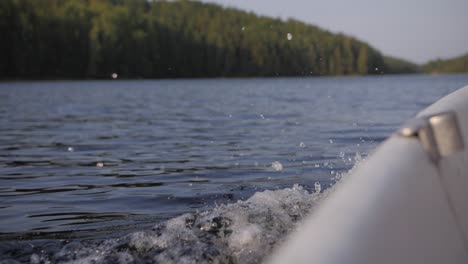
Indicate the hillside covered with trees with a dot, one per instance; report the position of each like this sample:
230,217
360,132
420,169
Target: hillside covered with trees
455,65
396,66
170,39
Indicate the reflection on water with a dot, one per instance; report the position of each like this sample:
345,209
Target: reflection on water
99,158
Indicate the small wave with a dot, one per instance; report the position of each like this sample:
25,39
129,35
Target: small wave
242,232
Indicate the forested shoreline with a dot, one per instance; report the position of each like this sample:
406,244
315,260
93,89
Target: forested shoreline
453,65
172,39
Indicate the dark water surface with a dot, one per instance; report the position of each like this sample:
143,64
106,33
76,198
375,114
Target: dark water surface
96,159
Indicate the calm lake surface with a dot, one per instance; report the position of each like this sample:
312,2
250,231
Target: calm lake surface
93,159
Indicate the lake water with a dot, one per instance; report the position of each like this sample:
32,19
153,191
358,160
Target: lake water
98,160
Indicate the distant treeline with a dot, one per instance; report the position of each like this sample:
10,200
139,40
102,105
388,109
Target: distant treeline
455,65
169,39
397,66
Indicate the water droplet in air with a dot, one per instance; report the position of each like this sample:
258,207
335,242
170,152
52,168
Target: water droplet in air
302,145
243,28
71,149
100,164
277,166
289,36
114,75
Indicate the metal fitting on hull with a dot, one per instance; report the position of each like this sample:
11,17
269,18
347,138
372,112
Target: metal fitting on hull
439,134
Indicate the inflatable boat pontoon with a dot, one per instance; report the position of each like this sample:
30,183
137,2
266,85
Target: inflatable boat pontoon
407,203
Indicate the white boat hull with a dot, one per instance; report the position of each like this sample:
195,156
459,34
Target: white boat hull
407,203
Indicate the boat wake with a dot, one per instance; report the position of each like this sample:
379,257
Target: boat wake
243,232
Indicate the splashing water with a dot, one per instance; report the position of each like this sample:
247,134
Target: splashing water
318,187
243,232
277,166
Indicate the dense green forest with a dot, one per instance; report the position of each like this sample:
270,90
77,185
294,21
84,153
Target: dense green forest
169,39
455,65
397,66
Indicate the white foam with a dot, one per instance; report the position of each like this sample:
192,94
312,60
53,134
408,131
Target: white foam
277,166
317,187
243,232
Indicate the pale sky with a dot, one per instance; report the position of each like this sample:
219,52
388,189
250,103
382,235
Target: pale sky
417,30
